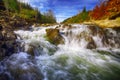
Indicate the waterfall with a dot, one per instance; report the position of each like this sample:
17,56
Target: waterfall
88,53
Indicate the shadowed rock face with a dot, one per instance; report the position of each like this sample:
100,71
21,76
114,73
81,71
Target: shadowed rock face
8,45
54,36
9,23
2,7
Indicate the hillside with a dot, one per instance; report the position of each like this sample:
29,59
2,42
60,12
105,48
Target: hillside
81,17
106,14
25,11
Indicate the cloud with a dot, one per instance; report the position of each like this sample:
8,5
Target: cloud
62,16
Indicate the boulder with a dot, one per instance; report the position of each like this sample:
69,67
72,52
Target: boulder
7,48
31,50
53,36
91,44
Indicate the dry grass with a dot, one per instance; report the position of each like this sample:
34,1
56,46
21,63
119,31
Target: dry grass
108,23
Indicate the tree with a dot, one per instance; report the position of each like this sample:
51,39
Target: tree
84,9
38,15
49,17
11,5
99,11
106,9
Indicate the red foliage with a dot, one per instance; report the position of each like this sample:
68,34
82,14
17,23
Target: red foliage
105,8
113,6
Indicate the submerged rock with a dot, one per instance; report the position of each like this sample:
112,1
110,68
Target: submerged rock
20,67
53,35
68,26
5,76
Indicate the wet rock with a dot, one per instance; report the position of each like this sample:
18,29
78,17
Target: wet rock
96,30
8,44
91,44
31,50
8,48
53,35
68,26
9,23
104,52
24,67
4,76
10,36
117,29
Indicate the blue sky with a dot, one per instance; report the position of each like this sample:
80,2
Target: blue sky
62,9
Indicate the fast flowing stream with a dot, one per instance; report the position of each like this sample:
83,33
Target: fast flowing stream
88,53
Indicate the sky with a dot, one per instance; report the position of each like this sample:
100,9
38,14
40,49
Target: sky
62,9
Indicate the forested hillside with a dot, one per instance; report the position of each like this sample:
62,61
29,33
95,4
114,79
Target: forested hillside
25,11
107,9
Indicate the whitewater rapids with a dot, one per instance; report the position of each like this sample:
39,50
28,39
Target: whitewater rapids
69,61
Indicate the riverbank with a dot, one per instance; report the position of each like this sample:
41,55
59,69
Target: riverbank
108,23
105,23
8,24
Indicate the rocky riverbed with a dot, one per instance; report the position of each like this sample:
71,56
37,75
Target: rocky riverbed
64,52
8,24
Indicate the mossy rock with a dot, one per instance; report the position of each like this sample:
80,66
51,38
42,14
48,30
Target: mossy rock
54,36
103,52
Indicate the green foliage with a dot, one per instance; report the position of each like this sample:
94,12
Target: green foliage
25,6
49,17
11,5
27,14
25,11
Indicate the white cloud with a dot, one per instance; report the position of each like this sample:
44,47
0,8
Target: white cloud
61,17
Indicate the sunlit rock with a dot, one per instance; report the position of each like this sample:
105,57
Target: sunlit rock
54,36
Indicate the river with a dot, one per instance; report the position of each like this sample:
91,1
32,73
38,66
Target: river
88,53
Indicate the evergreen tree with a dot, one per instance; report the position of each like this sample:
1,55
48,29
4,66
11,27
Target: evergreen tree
84,9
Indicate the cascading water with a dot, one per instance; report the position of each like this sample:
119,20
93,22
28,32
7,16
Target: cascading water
88,53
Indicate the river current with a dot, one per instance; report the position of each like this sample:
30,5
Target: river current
87,54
